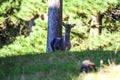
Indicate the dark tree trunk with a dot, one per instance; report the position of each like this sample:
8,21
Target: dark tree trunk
100,17
54,21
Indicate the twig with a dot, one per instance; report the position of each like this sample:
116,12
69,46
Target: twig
117,48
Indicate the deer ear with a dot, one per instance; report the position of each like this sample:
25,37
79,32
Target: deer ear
72,25
63,24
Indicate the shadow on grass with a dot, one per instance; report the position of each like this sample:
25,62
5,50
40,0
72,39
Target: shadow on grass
54,66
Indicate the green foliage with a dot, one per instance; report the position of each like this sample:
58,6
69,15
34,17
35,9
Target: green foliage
25,45
74,11
9,6
31,7
86,7
15,15
111,21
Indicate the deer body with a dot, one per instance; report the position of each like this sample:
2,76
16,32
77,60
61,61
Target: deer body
63,43
88,66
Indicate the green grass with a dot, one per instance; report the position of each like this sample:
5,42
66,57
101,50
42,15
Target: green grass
55,66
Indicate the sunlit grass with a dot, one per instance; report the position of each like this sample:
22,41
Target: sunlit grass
107,73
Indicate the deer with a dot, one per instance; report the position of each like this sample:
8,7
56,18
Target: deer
63,43
88,66
32,23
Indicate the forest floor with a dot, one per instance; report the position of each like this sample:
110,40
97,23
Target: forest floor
58,66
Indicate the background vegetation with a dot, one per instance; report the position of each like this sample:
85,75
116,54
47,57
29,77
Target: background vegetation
28,62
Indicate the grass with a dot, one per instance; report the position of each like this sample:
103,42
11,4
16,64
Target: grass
55,66
108,73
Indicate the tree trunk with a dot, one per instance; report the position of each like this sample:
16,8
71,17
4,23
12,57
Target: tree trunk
100,17
94,30
96,24
54,21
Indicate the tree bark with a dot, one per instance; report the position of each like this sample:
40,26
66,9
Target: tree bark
100,17
54,22
96,24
